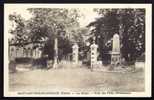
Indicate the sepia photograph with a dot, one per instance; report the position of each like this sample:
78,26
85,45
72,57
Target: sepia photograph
81,50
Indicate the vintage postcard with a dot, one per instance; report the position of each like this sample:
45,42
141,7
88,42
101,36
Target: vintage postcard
77,50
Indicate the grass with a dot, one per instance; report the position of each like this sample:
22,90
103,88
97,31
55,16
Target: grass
76,79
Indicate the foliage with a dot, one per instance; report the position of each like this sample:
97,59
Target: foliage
51,23
46,21
128,23
19,30
45,25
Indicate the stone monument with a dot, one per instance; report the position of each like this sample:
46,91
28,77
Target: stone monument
75,54
115,55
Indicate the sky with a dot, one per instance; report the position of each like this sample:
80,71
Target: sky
88,16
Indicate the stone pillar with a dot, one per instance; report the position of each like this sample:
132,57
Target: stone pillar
115,55
75,54
94,55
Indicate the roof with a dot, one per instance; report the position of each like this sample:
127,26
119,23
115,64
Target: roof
26,43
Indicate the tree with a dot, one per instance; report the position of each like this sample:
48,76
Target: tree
79,37
19,31
128,23
48,23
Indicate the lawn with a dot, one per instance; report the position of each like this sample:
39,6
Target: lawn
76,79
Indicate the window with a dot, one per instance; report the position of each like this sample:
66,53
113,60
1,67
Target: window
12,49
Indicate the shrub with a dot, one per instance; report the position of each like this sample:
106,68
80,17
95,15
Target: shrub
23,60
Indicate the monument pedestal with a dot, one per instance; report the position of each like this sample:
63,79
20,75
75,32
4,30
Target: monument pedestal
115,58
